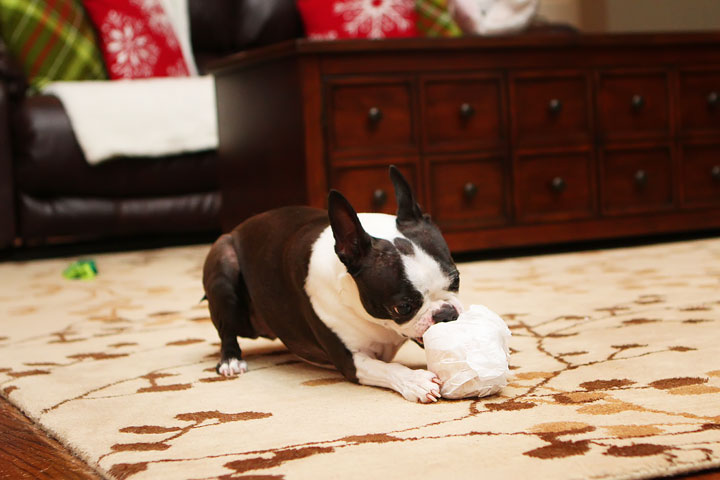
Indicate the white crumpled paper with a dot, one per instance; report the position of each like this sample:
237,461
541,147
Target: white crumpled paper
470,355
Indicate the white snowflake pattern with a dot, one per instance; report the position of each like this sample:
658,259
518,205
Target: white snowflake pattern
133,50
374,18
158,20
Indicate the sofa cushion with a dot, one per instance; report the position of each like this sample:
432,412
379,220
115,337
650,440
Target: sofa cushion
335,19
40,31
137,39
49,162
76,217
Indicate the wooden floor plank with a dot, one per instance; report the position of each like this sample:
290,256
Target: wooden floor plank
26,452
704,475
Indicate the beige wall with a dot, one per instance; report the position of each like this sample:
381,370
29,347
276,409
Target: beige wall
634,15
563,11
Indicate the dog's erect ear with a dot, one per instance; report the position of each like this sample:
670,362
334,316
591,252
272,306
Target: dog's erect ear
352,242
407,208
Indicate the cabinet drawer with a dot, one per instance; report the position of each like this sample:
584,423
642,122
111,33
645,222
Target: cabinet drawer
467,193
551,109
370,117
554,186
369,189
463,113
636,180
701,175
700,101
633,105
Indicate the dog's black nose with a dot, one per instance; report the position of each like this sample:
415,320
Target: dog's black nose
446,314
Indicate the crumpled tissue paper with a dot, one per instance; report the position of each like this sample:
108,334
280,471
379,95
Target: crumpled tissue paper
470,355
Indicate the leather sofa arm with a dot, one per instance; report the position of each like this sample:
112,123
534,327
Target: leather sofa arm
12,88
7,191
11,75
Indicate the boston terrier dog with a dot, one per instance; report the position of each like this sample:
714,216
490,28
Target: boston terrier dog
339,289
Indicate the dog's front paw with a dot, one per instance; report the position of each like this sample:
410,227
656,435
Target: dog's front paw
420,386
231,366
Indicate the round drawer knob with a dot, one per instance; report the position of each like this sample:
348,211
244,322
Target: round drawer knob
375,114
637,102
715,173
641,178
558,184
470,190
379,198
555,106
466,110
713,99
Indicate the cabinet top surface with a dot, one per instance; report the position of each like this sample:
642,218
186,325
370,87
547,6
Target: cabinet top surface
525,42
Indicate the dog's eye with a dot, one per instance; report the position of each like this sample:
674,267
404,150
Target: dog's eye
402,309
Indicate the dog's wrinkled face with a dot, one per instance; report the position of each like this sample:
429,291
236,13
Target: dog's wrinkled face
405,275
413,289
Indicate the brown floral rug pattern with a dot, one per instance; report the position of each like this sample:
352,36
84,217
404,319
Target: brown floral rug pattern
615,362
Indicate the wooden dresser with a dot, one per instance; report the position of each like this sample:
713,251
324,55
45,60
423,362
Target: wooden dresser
508,141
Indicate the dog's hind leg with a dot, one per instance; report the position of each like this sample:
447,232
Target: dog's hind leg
228,301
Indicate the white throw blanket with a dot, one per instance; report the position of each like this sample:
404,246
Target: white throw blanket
140,118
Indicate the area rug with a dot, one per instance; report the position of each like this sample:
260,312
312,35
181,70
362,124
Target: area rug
615,356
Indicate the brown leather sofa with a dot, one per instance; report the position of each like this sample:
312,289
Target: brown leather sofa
49,192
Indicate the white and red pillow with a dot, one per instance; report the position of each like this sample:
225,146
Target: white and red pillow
336,19
137,39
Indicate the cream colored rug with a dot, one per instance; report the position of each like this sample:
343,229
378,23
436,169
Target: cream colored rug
615,355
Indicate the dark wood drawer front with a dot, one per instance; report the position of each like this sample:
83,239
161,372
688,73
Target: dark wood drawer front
554,186
700,101
633,105
551,110
463,113
701,175
369,188
636,181
508,141
468,193
371,117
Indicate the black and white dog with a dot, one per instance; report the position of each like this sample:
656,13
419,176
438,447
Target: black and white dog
339,289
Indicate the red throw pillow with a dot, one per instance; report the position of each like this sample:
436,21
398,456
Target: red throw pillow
333,19
136,38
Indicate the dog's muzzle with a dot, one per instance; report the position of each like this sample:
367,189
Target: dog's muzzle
446,313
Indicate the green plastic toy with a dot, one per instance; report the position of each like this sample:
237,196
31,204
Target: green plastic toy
81,270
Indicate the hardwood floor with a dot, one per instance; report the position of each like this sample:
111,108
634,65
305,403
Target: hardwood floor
26,452
706,475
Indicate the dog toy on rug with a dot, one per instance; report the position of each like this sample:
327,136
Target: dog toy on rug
470,355
81,270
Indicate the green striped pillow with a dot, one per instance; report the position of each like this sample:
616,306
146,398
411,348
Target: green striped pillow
434,20
52,40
